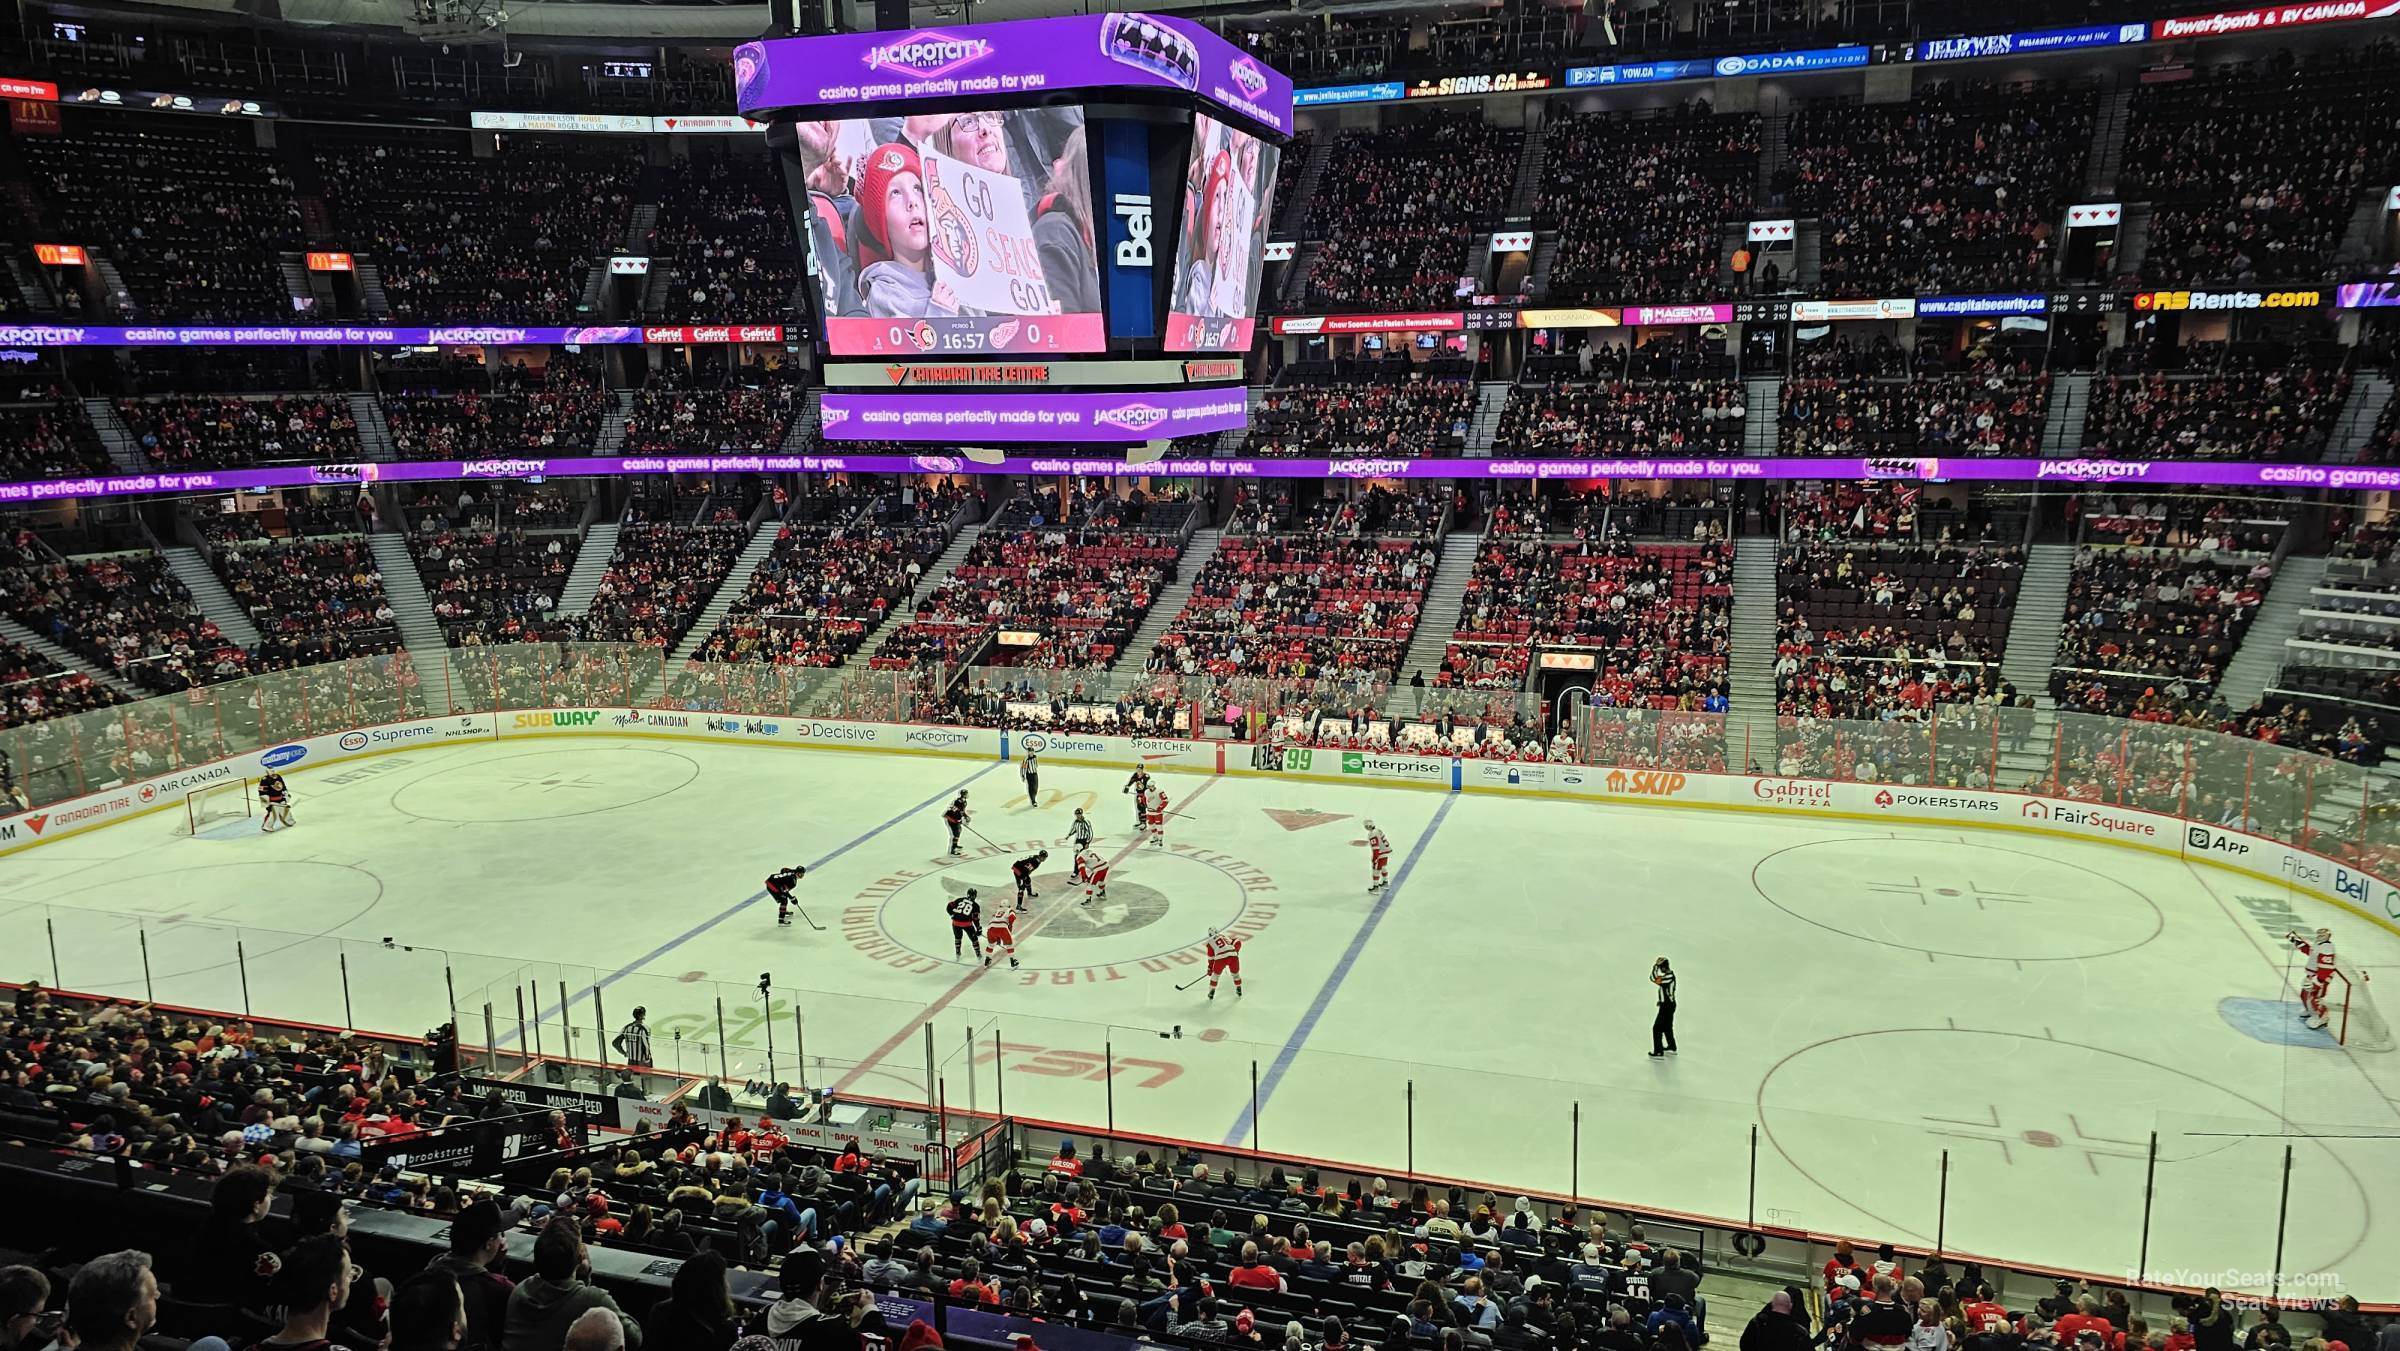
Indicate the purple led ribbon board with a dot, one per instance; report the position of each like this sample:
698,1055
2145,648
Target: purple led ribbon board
2345,477
1027,56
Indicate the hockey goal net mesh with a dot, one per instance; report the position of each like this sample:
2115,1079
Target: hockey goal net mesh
2350,1009
203,807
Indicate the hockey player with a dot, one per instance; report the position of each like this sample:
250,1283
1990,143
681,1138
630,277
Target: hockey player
276,799
1092,871
2319,975
1224,958
1139,786
966,924
1024,869
1379,858
956,819
1002,937
1080,833
780,885
1154,818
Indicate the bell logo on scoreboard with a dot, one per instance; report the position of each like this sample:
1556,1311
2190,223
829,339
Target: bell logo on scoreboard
1134,210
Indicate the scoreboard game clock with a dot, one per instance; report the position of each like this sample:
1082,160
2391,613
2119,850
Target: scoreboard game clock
1068,194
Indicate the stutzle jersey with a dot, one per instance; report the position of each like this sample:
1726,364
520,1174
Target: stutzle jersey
1223,945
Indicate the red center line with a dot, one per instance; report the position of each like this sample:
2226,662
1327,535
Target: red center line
978,972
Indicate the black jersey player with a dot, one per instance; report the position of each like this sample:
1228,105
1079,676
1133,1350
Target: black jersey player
1139,786
1023,869
275,800
956,819
966,924
780,886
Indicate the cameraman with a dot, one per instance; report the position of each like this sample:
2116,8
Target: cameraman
815,1314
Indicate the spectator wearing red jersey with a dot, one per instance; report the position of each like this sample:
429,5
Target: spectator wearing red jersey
2087,1315
1066,1164
1254,1273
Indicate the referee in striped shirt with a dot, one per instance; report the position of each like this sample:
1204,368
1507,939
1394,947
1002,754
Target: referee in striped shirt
634,1042
1662,1027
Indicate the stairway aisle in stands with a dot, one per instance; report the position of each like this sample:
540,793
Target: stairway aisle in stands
801,436
942,567
13,632
208,591
115,436
1491,397
1751,727
374,433
2034,632
2133,238
737,580
2261,655
2107,154
2034,629
599,546
2070,408
1167,604
1304,188
371,298
1526,192
404,587
2370,394
612,424
1437,623
1762,412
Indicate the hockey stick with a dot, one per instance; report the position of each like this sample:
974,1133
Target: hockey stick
985,838
1193,981
811,922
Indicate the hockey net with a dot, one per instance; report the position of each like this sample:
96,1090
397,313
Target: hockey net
203,807
2351,1011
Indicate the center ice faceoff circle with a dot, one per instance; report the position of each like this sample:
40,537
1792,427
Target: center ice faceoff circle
1951,898
1160,906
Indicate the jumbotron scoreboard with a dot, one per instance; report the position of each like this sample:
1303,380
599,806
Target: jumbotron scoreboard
1044,231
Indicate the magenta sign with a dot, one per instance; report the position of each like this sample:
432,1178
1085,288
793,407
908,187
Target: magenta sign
1010,60
1678,314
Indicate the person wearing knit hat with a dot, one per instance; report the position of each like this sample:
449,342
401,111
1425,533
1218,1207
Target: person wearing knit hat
895,238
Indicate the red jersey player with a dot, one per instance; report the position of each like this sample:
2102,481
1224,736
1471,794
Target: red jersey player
1224,957
1154,818
1002,936
1379,858
2319,974
1092,871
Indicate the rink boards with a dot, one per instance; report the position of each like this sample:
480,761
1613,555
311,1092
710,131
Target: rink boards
2365,895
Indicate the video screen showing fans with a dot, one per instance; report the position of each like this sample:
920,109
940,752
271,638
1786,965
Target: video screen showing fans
1229,186
960,233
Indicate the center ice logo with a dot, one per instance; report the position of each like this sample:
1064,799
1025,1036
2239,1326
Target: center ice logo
1130,906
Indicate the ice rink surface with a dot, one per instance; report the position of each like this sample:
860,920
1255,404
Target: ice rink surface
1866,997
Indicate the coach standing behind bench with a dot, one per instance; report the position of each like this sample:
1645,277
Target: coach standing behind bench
1662,1027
